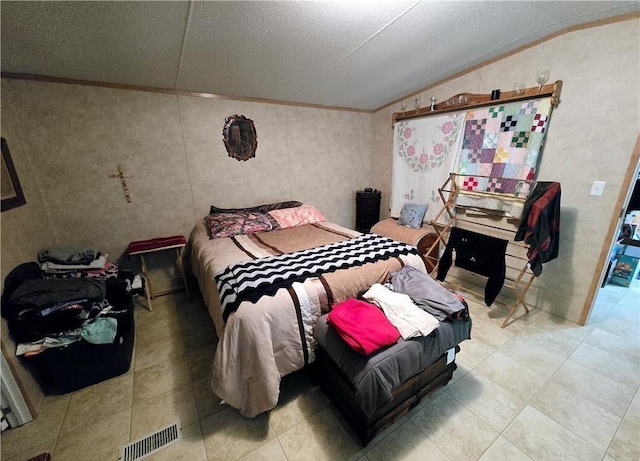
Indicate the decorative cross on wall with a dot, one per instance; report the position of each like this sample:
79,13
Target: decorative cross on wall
122,175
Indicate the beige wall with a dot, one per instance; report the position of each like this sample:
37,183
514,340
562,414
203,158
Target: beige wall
65,140
591,137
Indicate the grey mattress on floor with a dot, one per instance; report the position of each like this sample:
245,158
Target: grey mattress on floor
375,376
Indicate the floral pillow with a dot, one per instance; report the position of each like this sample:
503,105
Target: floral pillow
292,217
222,225
412,215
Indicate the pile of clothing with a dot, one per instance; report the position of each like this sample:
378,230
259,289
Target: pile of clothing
411,305
44,313
66,262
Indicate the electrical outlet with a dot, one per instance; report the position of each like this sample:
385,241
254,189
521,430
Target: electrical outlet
597,188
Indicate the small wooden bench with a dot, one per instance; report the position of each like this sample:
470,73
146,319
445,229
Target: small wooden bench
142,247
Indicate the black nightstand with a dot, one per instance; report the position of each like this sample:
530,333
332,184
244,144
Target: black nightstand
367,210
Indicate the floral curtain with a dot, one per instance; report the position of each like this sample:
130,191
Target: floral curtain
425,151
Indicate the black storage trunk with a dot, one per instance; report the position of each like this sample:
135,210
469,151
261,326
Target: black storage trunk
83,364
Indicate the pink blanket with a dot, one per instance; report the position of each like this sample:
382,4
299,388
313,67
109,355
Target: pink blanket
362,326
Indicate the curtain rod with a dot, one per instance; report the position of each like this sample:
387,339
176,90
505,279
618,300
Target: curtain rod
464,101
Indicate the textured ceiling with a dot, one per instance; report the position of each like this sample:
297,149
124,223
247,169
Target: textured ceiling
355,54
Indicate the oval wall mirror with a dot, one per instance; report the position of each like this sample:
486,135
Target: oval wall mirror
240,137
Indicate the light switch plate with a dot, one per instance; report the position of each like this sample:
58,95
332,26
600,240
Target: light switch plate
597,188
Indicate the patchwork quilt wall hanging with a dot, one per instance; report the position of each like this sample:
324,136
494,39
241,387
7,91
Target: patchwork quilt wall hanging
501,145
425,151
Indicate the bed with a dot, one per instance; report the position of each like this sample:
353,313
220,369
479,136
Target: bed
266,285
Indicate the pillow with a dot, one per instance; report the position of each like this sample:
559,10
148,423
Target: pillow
256,209
412,215
222,225
292,217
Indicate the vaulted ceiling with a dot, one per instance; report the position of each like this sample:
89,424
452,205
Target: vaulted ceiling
352,54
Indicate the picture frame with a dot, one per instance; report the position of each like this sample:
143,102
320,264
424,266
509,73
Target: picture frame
240,137
12,194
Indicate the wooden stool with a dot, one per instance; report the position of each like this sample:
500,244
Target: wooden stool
141,247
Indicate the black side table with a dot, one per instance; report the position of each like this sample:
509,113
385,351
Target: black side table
367,210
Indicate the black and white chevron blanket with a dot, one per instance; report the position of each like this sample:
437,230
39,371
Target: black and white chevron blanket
250,280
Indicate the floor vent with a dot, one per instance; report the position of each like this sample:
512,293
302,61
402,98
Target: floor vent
151,443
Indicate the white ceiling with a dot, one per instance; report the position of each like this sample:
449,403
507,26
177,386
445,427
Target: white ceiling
355,54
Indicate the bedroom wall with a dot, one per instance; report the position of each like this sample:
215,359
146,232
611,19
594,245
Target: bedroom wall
591,137
66,139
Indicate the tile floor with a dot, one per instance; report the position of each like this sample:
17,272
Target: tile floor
541,389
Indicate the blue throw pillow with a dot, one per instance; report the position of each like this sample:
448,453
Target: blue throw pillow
412,215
